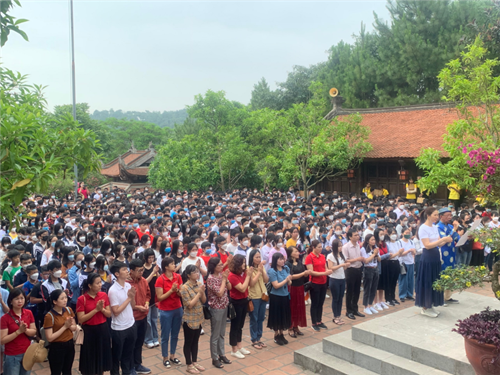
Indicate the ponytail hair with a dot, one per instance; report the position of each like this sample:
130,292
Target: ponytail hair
54,296
424,215
314,243
89,281
188,271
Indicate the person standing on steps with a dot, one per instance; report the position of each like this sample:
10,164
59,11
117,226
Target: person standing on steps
353,274
430,264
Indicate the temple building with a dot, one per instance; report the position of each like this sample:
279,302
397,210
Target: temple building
397,136
130,170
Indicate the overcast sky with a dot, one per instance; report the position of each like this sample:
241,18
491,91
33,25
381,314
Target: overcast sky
157,55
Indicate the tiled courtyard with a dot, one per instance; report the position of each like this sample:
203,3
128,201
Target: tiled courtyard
273,360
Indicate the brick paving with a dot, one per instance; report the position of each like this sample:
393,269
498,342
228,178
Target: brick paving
273,360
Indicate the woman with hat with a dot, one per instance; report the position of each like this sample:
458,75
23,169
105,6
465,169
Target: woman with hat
16,328
59,325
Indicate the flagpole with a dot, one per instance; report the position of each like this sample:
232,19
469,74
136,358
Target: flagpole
75,167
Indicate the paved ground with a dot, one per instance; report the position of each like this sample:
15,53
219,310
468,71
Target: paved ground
273,360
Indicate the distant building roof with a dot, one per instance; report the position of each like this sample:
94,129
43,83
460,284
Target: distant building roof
401,132
130,164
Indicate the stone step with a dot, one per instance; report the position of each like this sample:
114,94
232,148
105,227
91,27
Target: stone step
376,360
313,359
442,350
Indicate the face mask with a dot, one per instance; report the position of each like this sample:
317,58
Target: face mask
208,251
193,254
106,267
355,223
92,265
279,246
224,247
178,229
45,228
53,244
67,220
71,257
96,250
245,243
495,218
295,221
25,266
34,276
382,236
73,238
34,238
78,262
413,225
404,223
416,212
394,237
135,225
44,238
373,226
361,210
407,236
58,274
338,232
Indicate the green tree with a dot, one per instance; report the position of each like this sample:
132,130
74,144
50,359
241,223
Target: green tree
469,81
182,165
262,96
220,122
125,131
305,148
34,147
9,23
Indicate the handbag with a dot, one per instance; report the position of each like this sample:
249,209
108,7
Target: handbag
402,268
78,335
206,313
308,286
231,312
250,307
265,297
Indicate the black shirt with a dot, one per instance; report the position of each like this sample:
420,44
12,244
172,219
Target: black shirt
152,283
295,269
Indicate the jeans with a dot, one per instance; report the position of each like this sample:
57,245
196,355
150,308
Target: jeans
463,258
407,282
370,283
317,293
13,365
353,288
152,328
191,340
257,319
170,321
140,326
218,325
61,356
337,288
122,350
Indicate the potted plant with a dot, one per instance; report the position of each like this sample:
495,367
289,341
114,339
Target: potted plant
460,278
481,334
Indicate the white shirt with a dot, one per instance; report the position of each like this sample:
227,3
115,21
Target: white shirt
117,294
431,233
367,232
187,261
373,263
338,273
231,248
407,245
393,248
399,212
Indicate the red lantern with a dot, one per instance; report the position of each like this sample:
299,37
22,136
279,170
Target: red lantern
403,175
350,173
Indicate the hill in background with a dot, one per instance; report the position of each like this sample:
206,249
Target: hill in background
162,119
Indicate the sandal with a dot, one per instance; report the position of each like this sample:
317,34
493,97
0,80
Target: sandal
262,345
292,334
337,321
224,359
166,363
176,361
256,345
192,370
298,332
341,322
199,367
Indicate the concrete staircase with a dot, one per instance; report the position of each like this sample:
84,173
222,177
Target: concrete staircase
402,343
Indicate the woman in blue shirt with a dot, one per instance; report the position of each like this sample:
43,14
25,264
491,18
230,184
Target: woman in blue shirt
280,318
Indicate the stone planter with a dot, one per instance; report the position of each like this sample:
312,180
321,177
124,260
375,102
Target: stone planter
484,358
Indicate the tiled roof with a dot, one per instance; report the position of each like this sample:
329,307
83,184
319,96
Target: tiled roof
403,133
112,169
140,171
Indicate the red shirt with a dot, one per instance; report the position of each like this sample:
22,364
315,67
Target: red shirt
21,343
319,265
142,296
235,279
223,258
140,234
86,304
83,192
205,258
173,302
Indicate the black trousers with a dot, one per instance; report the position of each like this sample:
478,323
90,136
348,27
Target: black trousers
353,288
393,270
317,293
122,350
191,340
61,356
140,328
236,330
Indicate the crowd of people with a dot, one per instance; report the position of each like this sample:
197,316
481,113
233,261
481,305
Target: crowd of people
102,267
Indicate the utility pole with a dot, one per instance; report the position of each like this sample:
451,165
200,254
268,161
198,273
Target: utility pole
75,167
